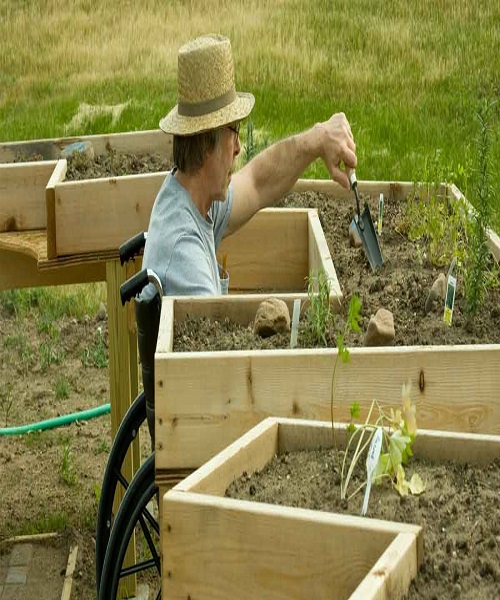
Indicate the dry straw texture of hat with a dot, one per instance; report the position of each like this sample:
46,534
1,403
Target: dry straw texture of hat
207,97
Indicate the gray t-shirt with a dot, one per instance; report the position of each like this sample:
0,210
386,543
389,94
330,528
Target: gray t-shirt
181,244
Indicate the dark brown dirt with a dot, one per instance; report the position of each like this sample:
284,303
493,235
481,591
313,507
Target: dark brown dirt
459,512
110,164
401,286
114,164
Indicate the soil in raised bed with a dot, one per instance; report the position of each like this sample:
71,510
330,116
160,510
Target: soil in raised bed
110,164
401,286
459,512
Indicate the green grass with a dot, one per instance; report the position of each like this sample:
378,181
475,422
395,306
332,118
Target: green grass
409,76
51,304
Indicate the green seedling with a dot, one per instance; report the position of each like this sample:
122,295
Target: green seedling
352,324
67,470
319,313
398,430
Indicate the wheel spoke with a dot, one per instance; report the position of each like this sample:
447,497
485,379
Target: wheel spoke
138,567
150,542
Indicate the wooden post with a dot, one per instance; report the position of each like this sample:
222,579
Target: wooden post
123,383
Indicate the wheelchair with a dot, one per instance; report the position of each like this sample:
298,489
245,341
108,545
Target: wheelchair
138,511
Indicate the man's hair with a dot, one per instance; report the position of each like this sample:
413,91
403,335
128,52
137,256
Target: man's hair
190,151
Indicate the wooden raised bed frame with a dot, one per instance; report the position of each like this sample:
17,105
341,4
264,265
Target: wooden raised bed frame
206,400
214,547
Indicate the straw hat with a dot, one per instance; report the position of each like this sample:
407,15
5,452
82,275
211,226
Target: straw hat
206,97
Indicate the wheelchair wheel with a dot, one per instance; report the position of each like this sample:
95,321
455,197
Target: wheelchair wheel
126,434
138,513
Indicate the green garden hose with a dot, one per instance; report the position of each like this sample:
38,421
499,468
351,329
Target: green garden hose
84,415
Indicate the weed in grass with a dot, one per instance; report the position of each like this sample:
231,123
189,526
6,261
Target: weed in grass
96,355
476,273
38,439
62,389
102,448
45,324
20,343
50,354
6,402
53,303
67,469
53,522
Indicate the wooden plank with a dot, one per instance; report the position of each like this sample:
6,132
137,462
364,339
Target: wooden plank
455,388
396,190
70,571
18,270
57,176
100,214
390,577
320,257
479,449
269,253
22,195
137,142
122,362
223,548
165,340
493,239
251,452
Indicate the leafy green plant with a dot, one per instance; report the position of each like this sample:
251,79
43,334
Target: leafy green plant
476,273
96,355
399,429
436,221
319,313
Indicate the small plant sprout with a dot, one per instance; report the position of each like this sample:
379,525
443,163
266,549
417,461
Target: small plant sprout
397,429
319,311
351,324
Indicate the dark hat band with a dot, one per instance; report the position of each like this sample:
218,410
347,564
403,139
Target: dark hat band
209,106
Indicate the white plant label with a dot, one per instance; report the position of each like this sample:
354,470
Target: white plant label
380,214
295,323
449,303
371,463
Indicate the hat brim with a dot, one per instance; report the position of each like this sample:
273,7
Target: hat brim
181,125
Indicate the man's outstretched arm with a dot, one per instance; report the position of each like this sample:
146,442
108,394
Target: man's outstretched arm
274,171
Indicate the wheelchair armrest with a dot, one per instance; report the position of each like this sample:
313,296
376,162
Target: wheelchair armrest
132,247
135,285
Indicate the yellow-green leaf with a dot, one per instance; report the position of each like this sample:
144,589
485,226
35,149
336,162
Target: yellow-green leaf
401,484
416,485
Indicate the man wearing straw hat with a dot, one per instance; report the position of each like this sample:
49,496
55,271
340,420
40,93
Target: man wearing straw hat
201,200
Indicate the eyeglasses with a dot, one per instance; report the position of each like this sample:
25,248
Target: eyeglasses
235,128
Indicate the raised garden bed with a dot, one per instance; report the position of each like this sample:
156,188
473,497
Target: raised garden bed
114,156
455,385
215,546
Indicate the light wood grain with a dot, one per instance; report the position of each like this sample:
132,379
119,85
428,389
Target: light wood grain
22,195
208,399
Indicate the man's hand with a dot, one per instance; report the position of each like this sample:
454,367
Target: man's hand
337,148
